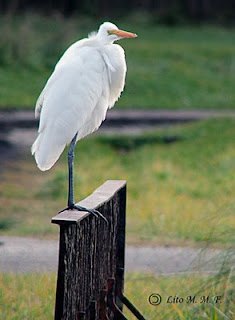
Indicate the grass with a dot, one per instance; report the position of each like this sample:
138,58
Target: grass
32,296
180,185
27,296
139,288
184,67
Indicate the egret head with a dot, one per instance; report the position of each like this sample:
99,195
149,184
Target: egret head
109,32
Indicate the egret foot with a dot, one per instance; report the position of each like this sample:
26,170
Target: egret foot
95,212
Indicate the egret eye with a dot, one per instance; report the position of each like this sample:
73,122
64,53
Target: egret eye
110,32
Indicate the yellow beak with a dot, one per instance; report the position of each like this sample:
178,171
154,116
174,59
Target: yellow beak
123,34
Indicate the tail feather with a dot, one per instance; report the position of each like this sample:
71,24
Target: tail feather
46,150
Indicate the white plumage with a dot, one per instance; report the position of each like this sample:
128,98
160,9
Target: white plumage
86,82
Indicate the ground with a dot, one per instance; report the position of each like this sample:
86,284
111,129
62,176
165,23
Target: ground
172,150
176,163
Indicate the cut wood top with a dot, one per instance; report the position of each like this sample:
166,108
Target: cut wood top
100,196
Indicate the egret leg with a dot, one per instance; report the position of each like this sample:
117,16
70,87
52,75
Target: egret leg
70,166
71,204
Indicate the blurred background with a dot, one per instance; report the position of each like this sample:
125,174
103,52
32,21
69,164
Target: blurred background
177,155
187,46
169,11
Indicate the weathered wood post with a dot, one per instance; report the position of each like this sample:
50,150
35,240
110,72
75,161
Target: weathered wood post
91,256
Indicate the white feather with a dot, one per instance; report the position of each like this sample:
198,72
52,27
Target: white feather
87,80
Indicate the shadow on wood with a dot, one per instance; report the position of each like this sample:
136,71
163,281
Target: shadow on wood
91,257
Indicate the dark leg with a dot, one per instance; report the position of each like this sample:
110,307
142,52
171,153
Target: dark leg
71,204
70,166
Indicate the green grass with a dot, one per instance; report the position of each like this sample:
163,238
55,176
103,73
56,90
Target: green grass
32,296
139,287
180,184
183,67
29,296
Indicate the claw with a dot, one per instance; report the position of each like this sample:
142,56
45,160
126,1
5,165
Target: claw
95,212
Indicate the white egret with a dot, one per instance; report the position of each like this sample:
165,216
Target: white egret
86,82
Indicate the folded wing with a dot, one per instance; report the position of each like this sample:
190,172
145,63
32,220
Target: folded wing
78,85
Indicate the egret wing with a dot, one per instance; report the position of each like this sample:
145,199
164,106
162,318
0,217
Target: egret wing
68,100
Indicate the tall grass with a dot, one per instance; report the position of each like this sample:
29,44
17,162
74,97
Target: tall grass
139,288
32,296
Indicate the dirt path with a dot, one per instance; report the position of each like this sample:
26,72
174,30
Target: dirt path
34,255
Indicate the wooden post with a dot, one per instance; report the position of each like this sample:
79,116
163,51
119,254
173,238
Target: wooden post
91,253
